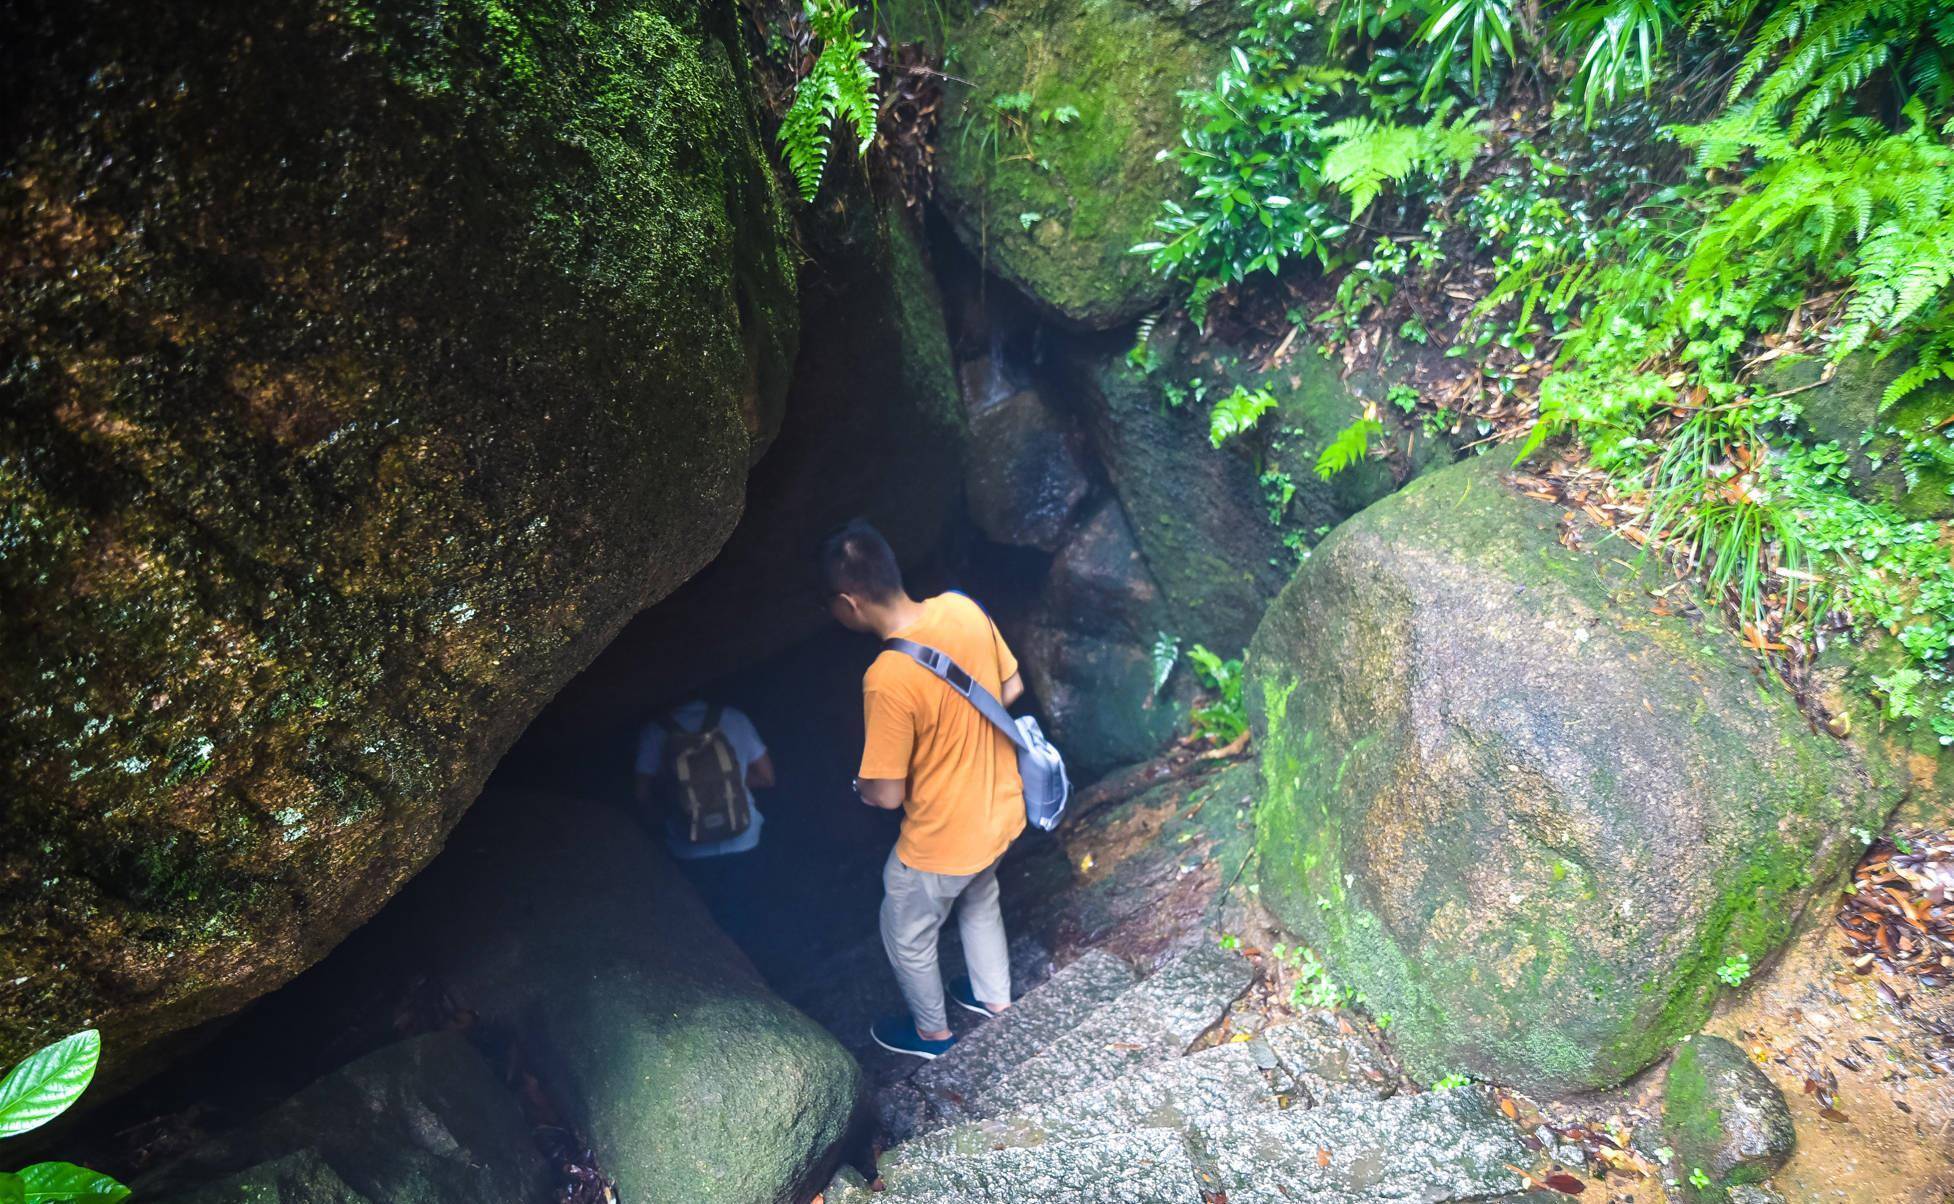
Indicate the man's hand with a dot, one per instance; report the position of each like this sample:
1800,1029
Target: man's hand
885,793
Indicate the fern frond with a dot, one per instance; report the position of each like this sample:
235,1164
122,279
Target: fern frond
839,86
1348,446
1367,155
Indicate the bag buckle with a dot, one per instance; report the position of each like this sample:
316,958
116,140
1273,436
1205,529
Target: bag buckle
958,679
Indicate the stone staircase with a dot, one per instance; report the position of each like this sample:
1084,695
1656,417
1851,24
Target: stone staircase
1094,1089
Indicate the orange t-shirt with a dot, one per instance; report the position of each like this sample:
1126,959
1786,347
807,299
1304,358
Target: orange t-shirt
966,802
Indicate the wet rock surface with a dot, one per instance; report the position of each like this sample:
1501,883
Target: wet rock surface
1521,802
1724,1115
302,1178
420,1122
1024,480
368,365
1088,651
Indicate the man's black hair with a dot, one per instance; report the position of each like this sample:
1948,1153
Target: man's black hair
855,559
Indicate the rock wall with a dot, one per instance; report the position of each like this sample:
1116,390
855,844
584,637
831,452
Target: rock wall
874,428
366,365
1221,534
1522,801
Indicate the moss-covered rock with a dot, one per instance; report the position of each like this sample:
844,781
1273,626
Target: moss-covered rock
1047,158
420,1122
1724,1117
367,364
1223,529
1902,453
561,923
1520,801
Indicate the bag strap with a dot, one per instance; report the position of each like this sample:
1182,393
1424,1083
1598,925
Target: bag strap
714,713
963,683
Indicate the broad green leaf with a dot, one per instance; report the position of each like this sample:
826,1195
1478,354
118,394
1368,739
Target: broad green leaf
61,1181
48,1082
12,1190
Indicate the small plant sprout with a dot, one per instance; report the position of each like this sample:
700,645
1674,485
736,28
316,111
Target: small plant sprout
1865,837
1698,1179
1452,1082
1230,941
1734,970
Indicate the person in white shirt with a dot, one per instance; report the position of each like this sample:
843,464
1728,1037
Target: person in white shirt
755,763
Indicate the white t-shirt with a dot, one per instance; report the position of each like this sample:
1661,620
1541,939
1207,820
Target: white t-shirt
747,746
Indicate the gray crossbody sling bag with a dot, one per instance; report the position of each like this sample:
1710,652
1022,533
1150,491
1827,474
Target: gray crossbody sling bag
1045,785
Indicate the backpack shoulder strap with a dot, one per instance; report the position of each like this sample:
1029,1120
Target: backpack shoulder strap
714,712
963,683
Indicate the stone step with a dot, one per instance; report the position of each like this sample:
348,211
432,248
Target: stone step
1435,1148
1324,1060
857,987
1173,1094
1151,1022
1027,1029
1146,1166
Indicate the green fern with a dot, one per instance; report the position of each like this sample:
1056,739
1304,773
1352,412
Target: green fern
1223,718
840,86
1348,447
1818,56
1238,412
1876,214
1367,154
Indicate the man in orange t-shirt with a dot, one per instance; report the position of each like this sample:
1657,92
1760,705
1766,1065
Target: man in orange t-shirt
954,776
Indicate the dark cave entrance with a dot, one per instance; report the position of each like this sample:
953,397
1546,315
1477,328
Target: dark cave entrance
803,904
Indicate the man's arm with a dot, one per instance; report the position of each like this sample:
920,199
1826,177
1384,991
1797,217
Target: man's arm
759,775
1013,688
885,793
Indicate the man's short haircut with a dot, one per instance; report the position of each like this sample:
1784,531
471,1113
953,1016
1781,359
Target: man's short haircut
855,559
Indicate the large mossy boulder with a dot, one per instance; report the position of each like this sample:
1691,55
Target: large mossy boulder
1223,528
1053,119
1520,798
423,1121
561,924
367,365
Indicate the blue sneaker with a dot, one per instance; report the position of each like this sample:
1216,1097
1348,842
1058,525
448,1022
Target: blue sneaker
965,998
897,1034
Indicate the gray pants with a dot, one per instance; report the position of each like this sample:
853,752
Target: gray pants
914,905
